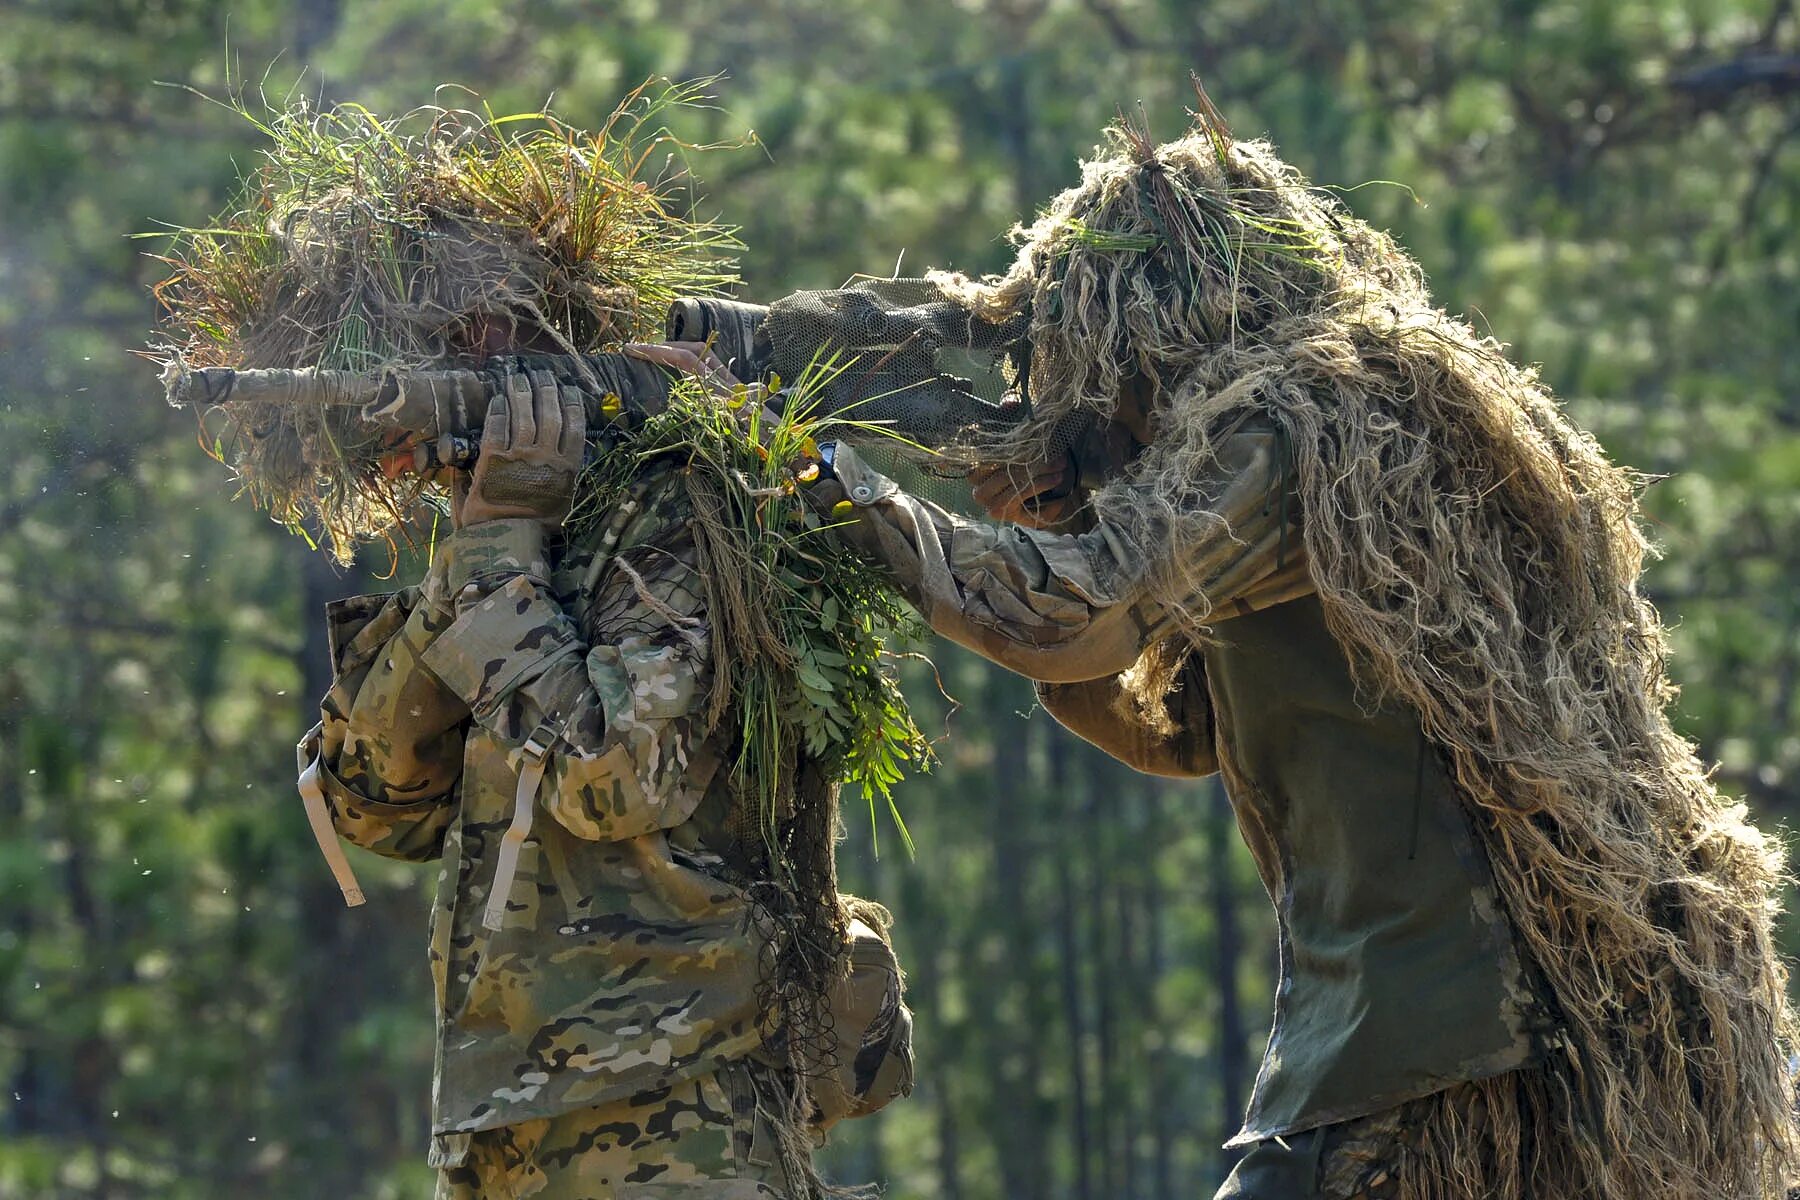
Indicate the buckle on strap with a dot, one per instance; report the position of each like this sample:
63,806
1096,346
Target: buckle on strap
318,815
535,753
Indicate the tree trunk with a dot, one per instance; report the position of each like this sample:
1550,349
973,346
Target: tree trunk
1017,1037
1162,1101
1068,931
1229,948
1103,961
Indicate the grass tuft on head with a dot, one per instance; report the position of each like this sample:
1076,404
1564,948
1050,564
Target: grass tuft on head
361,242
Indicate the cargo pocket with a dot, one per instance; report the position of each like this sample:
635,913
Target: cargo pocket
727,1103
413,831
1031,587
358,626
650,696
872,1031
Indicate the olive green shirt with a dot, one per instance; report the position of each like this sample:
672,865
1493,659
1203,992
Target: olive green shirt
1399,974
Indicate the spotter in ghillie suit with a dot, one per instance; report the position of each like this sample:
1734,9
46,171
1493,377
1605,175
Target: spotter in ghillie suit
1336,546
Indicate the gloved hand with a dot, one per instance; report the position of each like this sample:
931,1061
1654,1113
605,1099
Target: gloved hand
531,451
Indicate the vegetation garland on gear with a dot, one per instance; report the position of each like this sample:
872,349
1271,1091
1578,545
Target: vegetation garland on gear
801,624
803,631
1497,593
362,242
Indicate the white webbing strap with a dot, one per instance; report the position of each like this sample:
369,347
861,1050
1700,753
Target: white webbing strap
535,753
312,796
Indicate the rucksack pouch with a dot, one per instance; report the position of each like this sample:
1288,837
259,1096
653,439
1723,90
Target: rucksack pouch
873,1060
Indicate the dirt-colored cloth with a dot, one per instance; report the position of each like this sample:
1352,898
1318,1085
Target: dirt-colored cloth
699,1139
623,961
1399,975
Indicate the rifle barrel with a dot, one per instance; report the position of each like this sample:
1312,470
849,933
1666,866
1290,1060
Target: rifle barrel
427,403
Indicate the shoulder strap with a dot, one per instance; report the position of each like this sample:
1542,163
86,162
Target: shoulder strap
312,796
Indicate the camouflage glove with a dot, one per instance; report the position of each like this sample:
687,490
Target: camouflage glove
531,451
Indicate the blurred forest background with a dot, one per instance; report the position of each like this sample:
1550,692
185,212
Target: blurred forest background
187,1009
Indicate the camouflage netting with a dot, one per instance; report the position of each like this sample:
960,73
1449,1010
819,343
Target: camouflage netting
1478,556
912,362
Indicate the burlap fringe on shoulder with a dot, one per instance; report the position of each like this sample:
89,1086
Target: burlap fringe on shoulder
1478,556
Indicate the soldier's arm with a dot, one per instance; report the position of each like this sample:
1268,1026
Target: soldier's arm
1064,607
390,737
1177,742
615,727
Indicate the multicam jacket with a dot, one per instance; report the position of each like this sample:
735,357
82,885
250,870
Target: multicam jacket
1399,975
621,960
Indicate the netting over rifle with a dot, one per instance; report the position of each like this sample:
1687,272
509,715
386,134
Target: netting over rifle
932,371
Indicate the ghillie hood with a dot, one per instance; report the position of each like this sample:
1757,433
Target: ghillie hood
1477,555
361,242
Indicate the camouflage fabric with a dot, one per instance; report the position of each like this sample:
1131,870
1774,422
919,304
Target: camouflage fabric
699,1139
872,1064
1067,607
1354,1160
1399,972
623,963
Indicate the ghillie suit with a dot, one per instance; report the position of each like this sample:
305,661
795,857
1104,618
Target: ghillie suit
1477,556
433,241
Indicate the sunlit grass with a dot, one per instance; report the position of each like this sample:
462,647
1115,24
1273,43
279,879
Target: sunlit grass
362,242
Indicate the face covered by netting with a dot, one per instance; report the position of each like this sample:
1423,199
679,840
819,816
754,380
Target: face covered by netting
1477,557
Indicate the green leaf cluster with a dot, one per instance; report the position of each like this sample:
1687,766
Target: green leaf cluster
813,669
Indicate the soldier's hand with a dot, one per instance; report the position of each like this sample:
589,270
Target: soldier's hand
1037,495
690,358
531,451
698,360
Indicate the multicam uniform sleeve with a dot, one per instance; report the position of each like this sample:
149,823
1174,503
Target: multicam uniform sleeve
390,737
1065,608
615,727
